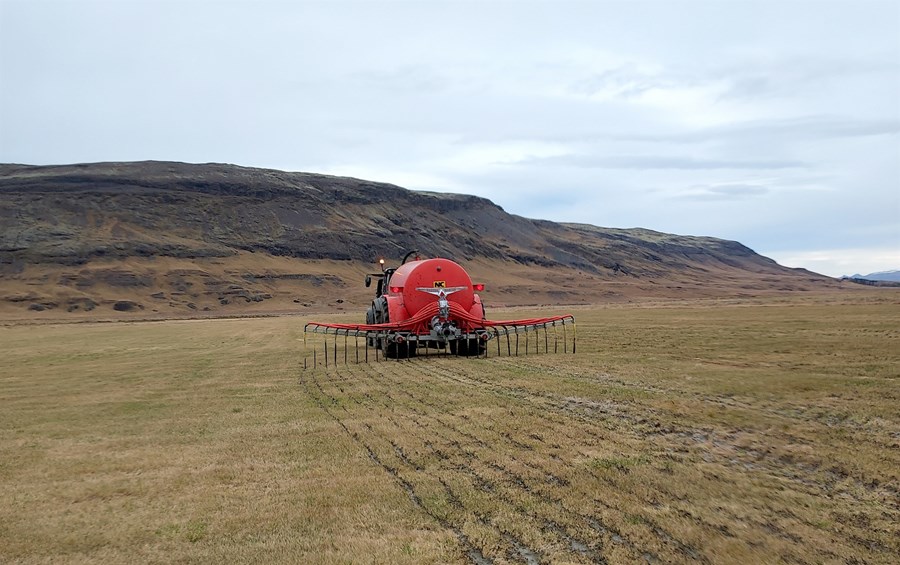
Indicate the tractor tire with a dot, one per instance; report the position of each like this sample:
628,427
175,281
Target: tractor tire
377,314
405,350
466,347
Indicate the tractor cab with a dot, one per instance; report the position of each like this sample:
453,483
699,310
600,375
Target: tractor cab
379,311
384,277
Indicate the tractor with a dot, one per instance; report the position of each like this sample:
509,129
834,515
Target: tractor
427,306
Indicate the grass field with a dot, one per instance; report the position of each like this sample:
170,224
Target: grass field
713,431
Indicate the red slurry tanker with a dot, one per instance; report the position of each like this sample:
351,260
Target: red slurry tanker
427,306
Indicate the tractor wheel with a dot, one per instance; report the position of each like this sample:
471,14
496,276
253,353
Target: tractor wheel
466,347
403,350
377,314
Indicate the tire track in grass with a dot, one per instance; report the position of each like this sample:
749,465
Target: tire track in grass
474,554
521,548
664,536
797,471
796,414
548,525
811,479
554,403
512,478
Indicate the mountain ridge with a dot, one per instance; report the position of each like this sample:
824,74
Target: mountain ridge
65,223
887,276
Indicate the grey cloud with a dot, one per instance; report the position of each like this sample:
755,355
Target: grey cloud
658,162
785,76
724,192
806,127
625,81
417,78
761,132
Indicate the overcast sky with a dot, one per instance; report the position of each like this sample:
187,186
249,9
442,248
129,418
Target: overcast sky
776,124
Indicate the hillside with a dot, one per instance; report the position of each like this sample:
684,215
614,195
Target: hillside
884,276
164,238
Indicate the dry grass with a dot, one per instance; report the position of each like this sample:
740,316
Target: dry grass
710,431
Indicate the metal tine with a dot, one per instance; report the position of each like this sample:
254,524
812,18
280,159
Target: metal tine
305,349
346,333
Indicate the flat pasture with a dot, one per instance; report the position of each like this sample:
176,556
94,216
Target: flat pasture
712,431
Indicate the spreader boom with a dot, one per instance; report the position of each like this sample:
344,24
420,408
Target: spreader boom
363,343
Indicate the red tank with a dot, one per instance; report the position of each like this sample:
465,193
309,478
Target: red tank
417,284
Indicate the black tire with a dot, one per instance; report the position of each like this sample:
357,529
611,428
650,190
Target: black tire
405,350
470,347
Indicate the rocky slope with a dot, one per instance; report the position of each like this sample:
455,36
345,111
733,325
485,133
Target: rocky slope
167,237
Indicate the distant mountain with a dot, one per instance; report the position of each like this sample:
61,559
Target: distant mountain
166,237
890,276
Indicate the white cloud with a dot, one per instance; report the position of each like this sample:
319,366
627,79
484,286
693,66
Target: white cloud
481,155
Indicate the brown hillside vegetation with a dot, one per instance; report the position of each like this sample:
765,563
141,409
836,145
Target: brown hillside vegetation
156,239
708,432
